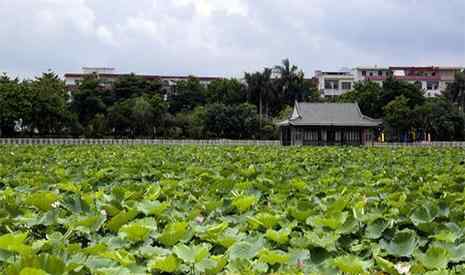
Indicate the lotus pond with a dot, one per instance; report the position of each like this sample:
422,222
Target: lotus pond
231,210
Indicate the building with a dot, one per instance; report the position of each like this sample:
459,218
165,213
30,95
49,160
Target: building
334,83
433,80
108,76
328,124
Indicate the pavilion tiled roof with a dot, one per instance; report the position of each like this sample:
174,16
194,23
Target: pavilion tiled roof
329,114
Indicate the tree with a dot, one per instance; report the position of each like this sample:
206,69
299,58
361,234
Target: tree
233,121
137,116
119,119
398,117
393,88
97,127
15,105
311,91
130,86
368,96
291,82
226,91
88,99
49,114
260,89
441,119
191,124
455,91
188,95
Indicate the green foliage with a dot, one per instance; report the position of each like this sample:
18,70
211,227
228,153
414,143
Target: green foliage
440,118
189,94
242,210
455,92
398,114
226,91
367,94
235,121
50,112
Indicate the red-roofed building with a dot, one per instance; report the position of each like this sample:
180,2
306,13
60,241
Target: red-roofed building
432,79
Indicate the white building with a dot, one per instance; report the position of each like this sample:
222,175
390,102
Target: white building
433,80
334,83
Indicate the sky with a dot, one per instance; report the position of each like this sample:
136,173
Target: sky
227,37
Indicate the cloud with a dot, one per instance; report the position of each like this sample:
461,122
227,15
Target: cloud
227,37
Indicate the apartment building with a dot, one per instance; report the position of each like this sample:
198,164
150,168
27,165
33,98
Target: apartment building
109,75
433,80
334,83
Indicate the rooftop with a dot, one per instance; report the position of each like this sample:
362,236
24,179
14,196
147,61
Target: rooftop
329,114
149,77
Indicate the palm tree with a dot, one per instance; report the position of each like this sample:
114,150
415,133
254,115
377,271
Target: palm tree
260,86
290,81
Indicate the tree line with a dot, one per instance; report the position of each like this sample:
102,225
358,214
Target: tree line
133,107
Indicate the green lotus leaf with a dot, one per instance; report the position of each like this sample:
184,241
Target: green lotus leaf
194,254
424,214
273,256
245,250
326,240
220,263
165,264
402,244
280,237
173,233
135,232
351,264
333,221
243,203
32,271
15,243
42,200
266,220
122,257
375,229
154,208
386,266
434,258
123,217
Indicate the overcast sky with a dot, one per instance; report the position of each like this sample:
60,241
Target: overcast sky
227,37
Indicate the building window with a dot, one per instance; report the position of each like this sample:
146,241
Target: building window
433,73
331,85
380,73
328,85
346,85
371,73
432,85
364,73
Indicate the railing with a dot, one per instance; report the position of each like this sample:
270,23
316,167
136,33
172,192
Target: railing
459,144
74,141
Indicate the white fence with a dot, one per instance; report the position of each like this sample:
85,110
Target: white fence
459,144
74,141
78,141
